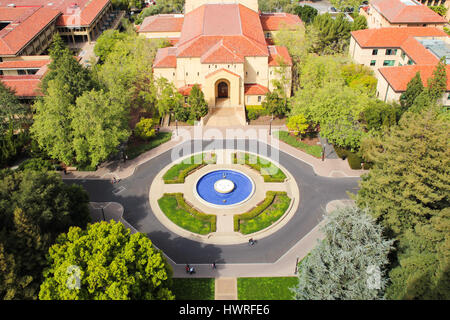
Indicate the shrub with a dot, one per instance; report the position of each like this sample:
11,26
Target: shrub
36,164
297,124
144,129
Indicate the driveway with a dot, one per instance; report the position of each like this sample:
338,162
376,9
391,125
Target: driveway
132,193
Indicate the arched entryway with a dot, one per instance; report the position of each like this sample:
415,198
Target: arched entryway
222,90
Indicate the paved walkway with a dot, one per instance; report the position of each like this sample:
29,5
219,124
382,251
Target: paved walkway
121,170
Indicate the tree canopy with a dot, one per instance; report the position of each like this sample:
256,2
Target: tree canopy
35,207
350,263
105,262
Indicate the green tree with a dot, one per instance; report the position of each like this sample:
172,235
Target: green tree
99,124
298,124
35,207
409,182
413,90
306,13
437,84
197,103
440,10
119,266
343,4
349,263
145,129
105,43
168,97
327,35
359,23
408,192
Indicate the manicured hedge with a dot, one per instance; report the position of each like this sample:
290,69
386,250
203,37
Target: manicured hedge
255,111
260,208
354,160
279,176
186,216
178,172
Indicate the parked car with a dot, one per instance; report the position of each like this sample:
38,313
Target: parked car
333,9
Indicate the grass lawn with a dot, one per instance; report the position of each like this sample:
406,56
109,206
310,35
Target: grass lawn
193,289
270,288
284,136
268,216
185,219
135,150
178,172
268,170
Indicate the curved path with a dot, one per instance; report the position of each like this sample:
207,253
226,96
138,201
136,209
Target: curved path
132,193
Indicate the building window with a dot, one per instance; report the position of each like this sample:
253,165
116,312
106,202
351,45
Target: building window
410,62
198,74
374,52
21,72
259,98
185,100
389,63
391,52
373,62
403,55
257,73
187,74
268,35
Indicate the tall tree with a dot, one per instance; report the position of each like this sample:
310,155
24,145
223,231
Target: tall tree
197,103
408,191
119,266
413,90
99,124
349,264
35,207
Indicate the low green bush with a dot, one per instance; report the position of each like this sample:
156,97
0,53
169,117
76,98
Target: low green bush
261,167
182,214
264,206
178,172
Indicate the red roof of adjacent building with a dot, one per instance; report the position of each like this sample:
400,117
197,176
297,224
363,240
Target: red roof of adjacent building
275,21
28,23
74,13
24,86
255,89
24,64
278,55
403,38
406,11
399,77
162,23
165,58
186,90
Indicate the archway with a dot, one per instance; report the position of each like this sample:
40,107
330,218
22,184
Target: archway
222,90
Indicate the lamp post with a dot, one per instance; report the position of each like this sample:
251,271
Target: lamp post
103,214
270,126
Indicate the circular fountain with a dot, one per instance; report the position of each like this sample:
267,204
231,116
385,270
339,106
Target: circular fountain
224,188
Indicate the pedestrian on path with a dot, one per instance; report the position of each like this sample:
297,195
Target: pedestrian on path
213,265
187,268
251,241
191,270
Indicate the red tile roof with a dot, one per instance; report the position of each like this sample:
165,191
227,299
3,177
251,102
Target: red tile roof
165,58
275,21
186,90
255,89
74,12
279,55
403,38
410,11
15,36
162,23
24,86
220,53
237,26
399,77
23,64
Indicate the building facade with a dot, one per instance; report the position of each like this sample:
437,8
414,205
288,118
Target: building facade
222,47
401,13
397,54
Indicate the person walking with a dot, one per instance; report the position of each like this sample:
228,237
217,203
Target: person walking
191,270
187,268
213,265
251,241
